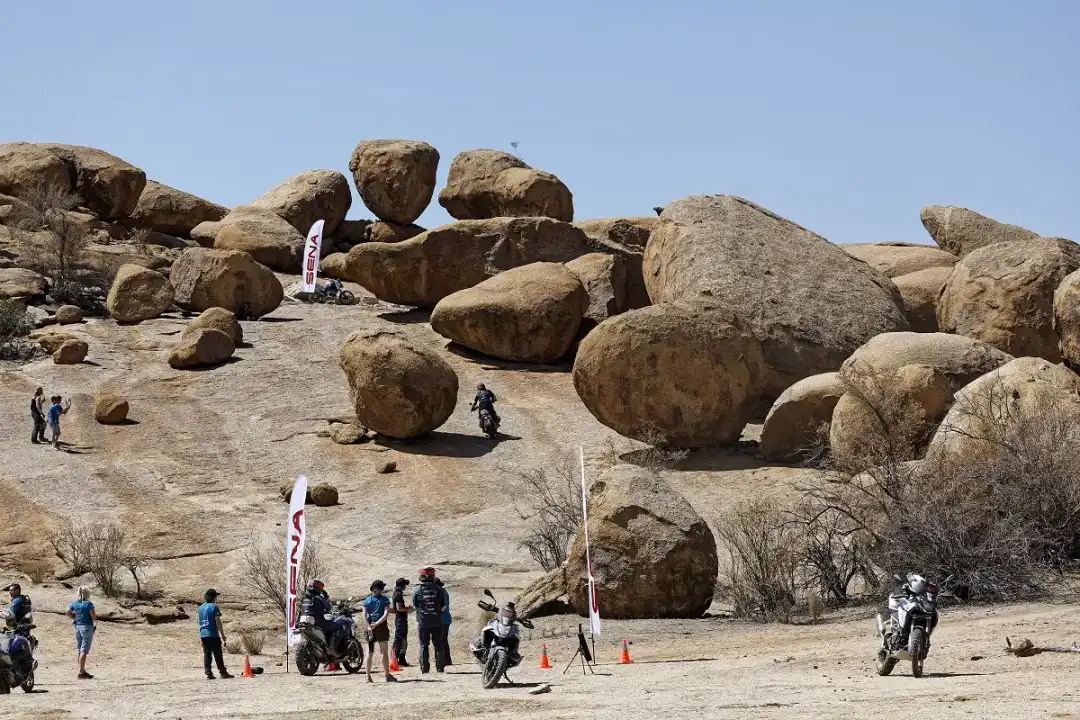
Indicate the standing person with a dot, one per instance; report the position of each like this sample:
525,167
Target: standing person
446,620
401,621
427,599
212,635
376,615
85,618
37,414
55,411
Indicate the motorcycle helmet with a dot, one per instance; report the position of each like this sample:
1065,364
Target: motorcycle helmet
916,583
427,574
316,586
480,386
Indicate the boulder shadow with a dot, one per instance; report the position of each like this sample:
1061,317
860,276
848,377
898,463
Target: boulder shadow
409,316
210,368
276,319
446,444
487,362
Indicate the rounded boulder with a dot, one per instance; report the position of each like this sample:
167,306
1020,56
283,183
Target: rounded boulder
71,352
138,294
204,347
110,409
227,279
173,212
799,419
1067,319
400,390
395,178
312,195
920,292
685,374
491,183
217,318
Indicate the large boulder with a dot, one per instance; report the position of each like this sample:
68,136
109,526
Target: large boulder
626,238
22,283
260,224
227,279
526,314
138,294
204,347
1066,319
335,265
68,315
490,183
173,212
799,419
893,259
920,292
1003,294
71,352
108,186
273,243
217,319
1019,391
652,555
604,279
887,416
28,170
960,359
395,178
810,303
400,390
323,494
959,230
685,374
423,270
50,342
309,196
110,409
390,233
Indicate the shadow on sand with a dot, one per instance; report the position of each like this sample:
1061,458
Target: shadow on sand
447,444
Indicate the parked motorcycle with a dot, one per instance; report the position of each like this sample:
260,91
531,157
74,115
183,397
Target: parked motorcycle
17,663
905,632
488,425
312,646
497,647
332,293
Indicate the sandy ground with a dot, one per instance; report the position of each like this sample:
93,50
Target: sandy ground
710,668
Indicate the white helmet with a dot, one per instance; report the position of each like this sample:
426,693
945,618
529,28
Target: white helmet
916,583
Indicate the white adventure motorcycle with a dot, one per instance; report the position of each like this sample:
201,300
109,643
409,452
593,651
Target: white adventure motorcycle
905,632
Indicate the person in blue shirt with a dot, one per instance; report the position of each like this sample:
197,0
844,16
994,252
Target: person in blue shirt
376,615
85,618
56,409
446,620
212,634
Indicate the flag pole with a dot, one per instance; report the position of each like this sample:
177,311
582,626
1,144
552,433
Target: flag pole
588,555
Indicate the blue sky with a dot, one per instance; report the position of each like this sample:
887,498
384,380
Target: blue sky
846,117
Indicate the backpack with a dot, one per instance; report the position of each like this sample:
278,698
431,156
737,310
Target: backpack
429,598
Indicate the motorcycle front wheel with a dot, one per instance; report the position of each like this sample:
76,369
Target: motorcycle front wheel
917,649
346,298
306,662
28,683
883,663
495,668
354,657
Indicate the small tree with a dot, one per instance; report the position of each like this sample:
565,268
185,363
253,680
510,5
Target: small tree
100,549
764,551
550,501
262,570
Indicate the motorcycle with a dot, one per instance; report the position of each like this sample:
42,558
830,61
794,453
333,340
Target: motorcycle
17,663
312,645
905,632
488,425
497,647
332,293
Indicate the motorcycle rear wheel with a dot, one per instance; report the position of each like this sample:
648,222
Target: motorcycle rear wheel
883,663
354,657
495,668
28,683
917,649
306,662
5,688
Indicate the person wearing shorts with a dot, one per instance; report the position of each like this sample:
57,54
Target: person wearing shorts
376,614
82,613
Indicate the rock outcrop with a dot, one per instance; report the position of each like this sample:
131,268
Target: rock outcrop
893,259
400,390
798,421
138,294
395,178
920,292
203,347
110,409
810,303
653,556
227,279
173,212
626,238
312,195
525,314
218,319
685,374
959,231
489,183
1003,294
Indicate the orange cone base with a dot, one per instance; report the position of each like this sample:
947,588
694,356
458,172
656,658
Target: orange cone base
247,668
545,664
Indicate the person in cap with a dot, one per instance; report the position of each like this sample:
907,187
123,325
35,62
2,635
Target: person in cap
427,600
376,615
212,634
447,618
401,620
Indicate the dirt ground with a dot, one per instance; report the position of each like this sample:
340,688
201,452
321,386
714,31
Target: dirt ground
195,477
711,668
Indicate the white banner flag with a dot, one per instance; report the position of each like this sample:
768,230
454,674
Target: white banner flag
594,608
312,248
295,534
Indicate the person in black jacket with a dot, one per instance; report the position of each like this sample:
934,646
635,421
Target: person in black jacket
485,400
428,602
401,620
316,603
37,414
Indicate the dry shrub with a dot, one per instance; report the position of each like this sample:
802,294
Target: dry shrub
549,499
262,570
764,549
100,549
36,570
234,646
14,327
252,640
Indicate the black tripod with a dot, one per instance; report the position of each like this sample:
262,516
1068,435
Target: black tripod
583,652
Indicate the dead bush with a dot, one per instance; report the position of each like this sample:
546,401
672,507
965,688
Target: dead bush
234,646
764,548
262,568
14,327
252,640
549,499
36,570
100,549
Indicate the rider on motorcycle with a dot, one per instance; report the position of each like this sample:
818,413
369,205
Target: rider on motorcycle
316,603
485,400
19,607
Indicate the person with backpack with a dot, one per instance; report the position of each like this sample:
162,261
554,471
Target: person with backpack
428,602
37,414
18,608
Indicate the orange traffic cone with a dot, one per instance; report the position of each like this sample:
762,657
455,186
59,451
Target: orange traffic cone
247,668
544,663
394,667
624,659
